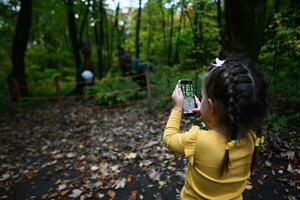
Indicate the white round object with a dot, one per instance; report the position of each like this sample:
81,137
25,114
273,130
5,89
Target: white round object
87,75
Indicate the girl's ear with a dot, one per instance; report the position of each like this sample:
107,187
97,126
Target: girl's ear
210,103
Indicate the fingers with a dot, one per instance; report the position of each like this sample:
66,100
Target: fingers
179,91
197,101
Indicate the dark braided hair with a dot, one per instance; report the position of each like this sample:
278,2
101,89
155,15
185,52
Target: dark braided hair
239,91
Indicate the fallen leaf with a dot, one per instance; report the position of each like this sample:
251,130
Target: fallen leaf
154,175
120,183
268,163
133,195
64,192
75,193
129,178
162,183
4,177
71,155
131,155
111,194
61,187
94,168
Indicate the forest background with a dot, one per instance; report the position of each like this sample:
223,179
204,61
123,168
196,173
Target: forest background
41,41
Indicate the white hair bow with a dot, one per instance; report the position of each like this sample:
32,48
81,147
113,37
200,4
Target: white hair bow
218,63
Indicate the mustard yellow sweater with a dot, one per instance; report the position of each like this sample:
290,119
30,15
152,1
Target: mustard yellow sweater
205,152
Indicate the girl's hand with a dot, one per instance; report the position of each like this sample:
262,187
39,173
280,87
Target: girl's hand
197,110
177,97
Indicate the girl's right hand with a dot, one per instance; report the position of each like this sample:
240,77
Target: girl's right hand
197,110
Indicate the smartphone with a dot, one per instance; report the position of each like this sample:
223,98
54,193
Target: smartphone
187,89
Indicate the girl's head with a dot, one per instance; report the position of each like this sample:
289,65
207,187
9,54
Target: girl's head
237,94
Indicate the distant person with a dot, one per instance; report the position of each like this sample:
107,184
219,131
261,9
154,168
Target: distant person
125,60
221,158
135,67
87,68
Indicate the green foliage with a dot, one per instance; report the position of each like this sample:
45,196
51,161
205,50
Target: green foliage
49,53
276,121
280,56
114,91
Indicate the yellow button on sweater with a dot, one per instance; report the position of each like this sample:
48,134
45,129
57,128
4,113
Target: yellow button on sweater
205,151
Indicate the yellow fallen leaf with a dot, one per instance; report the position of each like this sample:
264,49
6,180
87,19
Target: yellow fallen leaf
129,178
111,194
133,195
64,192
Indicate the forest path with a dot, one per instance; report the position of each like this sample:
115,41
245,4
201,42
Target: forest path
84,152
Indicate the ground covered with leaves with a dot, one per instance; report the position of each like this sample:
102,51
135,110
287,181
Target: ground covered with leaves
76,151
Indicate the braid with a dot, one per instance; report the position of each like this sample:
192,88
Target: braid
240,95
232,113
236,74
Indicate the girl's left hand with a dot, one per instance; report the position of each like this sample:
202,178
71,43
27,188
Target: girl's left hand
177,97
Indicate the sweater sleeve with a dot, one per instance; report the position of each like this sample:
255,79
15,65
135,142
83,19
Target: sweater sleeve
179,142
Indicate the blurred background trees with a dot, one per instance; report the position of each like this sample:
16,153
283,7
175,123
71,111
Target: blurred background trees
41,40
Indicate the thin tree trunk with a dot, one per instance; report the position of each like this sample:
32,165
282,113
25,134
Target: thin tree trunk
83,22
277,6
176,56
108,41
117,26
171,37
138,26
149,40
73,36
245,23
19,47
220,26
99,50
164,27
198,33
99,38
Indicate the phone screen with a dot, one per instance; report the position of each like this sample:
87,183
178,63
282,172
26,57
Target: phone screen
189,96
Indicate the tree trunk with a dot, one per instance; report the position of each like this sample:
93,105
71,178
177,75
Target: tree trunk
75,45
138,26
164,27
116,33
198,33
99,38
19,47
150,35
245,23
171,36
99,50
220,26
176,56
277,6
108,38
83,22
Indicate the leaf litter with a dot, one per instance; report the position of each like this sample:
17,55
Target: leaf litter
86,153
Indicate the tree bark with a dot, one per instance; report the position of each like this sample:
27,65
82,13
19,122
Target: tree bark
117,26
198,33
138,26
163,27
150,35
19,47
99,38
277,6
83,22
245,23
176,56
170,46
73,36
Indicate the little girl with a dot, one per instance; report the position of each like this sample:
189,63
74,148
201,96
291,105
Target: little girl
221,159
